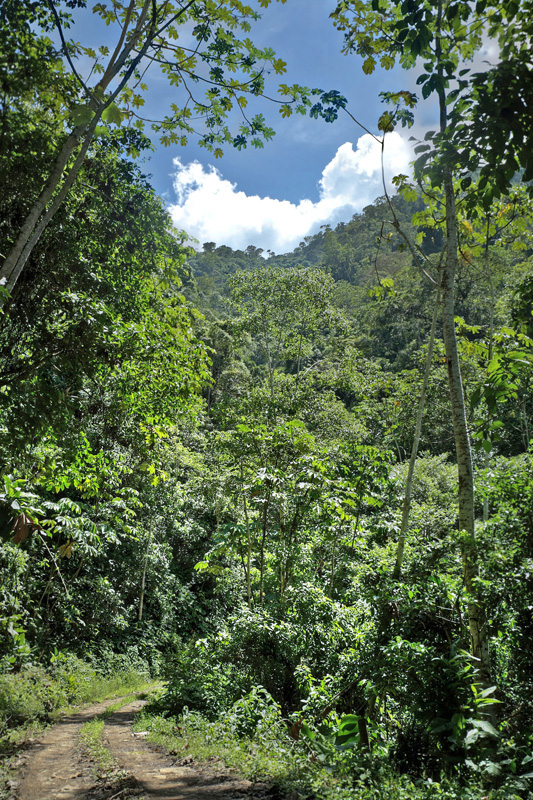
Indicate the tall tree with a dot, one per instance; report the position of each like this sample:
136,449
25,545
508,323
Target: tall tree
444,35
286,309
149,35
98,329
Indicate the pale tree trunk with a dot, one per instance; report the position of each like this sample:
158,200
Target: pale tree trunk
248,544
14,262
406,508
145,565
477,623
58,185
262,551
486,459
36,222
388,612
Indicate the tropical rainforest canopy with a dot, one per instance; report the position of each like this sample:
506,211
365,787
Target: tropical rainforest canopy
297,488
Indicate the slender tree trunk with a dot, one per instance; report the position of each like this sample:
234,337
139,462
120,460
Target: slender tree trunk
248,545
477,624
263,539
332,568
406,508
387,613
11,270
57,186
269,364
523,414
143,580
37,222
486,459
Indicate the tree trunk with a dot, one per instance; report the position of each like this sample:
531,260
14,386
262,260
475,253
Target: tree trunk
10,263
262,554
36,223
388,612
57,186
477,624
248,545
406,508
143,581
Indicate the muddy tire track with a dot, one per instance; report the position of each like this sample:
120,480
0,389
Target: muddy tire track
56,768
156,775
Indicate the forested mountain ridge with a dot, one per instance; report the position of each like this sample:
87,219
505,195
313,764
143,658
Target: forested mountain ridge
394,322
348,252
220,468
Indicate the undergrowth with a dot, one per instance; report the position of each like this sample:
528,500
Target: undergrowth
39,695
260,749
91,736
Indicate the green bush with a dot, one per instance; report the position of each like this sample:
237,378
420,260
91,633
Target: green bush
30,694
134,658
253,714
264,647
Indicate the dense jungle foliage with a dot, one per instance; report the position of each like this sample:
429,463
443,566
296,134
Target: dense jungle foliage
204,458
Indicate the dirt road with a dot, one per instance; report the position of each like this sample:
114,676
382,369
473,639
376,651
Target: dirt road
56,768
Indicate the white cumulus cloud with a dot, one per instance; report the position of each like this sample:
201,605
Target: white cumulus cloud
211,208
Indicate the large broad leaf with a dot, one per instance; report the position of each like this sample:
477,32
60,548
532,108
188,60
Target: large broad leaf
348,730
65,551
22,527
81,114
484,725
112,114
491,689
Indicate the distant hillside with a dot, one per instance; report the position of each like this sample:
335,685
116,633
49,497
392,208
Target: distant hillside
358,255
349,252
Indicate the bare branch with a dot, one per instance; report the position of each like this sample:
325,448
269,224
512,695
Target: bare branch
65,49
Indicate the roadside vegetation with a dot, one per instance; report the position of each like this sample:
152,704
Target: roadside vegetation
34,698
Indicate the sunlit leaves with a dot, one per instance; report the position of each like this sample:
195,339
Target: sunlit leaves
214,77
328,105
112,114
386,122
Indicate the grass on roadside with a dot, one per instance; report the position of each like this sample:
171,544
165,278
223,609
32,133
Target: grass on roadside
270,756
91,734
39,695
149,691
266,758
94,749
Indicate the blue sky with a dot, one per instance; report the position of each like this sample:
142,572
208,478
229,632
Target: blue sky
312,173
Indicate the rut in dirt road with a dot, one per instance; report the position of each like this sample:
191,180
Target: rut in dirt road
54,769
57,770
156,775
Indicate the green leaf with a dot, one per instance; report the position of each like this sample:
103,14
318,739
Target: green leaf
81,114
491,689
307,732
386,122
369,65
486,726
112,115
